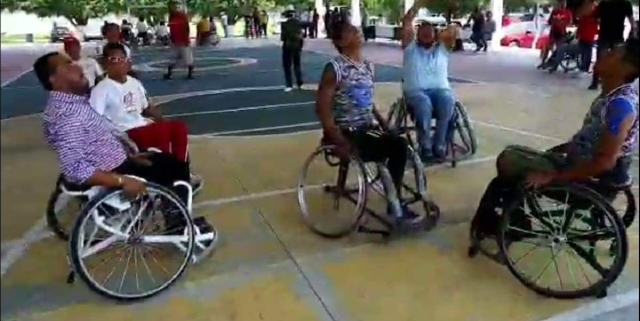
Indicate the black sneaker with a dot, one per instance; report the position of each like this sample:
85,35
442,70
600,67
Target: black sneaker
593,87
166,76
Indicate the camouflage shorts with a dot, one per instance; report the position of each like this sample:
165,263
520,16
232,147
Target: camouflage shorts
521,160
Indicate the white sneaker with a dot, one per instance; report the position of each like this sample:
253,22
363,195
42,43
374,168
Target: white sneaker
288,89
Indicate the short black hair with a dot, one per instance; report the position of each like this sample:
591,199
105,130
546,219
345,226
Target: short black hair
110,26
43,69
631,57
109,48
337,29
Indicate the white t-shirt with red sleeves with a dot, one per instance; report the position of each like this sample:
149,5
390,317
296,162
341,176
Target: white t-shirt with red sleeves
121,103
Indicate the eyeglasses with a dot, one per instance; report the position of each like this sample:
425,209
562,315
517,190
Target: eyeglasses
118,59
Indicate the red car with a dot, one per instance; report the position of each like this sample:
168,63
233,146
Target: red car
523,35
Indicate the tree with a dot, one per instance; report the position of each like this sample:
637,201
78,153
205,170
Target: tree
78,12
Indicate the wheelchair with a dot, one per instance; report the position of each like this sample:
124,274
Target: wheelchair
583,220
461,139
355,190
105,221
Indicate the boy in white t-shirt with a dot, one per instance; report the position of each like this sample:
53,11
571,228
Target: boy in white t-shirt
123,100
90,67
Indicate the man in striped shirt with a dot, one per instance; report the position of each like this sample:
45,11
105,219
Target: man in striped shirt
88,147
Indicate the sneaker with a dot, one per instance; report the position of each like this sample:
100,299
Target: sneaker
203,227
593,87
196,183
408,218
166,76
288,89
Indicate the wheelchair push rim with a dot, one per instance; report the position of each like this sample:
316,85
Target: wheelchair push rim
133,247
552,232
354,196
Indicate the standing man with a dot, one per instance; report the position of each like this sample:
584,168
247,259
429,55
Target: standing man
224,20
291,37
179,29
426,81
611,15
314,23
477,29
587,32
327,20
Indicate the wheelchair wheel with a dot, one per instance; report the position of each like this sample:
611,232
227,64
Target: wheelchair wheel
626,206
152,233
570,63
572,225
467,134
332,194
62,210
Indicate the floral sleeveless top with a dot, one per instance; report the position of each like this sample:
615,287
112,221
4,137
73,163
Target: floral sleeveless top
584,143
353,99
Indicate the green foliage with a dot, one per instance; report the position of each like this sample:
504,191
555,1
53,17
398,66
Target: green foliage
77,11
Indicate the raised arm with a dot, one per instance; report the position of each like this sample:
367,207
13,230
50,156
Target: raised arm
447,37
407,32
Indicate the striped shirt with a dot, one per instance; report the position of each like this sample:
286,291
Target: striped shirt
84,141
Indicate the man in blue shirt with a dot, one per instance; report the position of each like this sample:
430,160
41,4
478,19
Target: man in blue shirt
426,84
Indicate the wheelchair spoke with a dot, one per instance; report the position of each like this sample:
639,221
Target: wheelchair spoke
546,266
555,264
573,255
126,268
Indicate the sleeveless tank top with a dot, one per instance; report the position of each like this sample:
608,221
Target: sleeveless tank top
584,143
353,99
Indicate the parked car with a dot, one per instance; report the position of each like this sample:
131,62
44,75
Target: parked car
59,32
523,35
92,31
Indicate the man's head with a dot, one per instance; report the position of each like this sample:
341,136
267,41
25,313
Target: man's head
426,36
112,33
56,71
116,62
174,7
72,48
562,3
621,62
345,36
489,15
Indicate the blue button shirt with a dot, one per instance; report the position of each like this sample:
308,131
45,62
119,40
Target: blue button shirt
425,68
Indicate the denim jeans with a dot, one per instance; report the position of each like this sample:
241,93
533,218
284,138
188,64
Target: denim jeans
427,104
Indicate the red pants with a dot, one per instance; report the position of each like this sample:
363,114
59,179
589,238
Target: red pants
170,136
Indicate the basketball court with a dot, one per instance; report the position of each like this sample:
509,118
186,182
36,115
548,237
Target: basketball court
250,140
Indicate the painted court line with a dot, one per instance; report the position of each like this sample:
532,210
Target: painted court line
17,248
253,130
235,110
600,307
